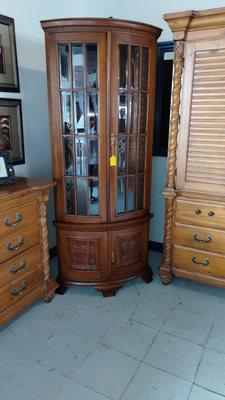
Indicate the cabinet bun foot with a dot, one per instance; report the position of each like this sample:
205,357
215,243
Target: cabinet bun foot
147,276
110,292
61,289
166,278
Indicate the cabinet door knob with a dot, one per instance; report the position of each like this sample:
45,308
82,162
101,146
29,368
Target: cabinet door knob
197,211
210,213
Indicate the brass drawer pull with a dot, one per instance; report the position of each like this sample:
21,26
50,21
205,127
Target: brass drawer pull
205,262
19,218
197,238
211,213
197,211
16,247
19,292
14,270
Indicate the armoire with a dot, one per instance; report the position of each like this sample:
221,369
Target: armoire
194,235
101,83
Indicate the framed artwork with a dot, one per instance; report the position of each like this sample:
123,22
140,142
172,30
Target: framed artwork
7,174
9,78
11,130
163,97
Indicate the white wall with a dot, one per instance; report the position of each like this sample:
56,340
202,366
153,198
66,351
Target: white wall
32,72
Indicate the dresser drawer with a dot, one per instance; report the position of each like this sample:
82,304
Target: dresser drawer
200,261
18,217
202,214
203,239
20,265
17,242
14,291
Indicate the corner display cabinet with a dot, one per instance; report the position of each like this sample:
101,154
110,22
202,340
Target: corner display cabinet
101,79
194,240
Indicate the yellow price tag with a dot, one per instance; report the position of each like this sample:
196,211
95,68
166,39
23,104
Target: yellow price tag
112,161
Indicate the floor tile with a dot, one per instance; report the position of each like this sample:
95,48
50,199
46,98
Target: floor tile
174,355
130,338
107,372
198,393
73,390
216,339
211,373
12,354
151,384
150,314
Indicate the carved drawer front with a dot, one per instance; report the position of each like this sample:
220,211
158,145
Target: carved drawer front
17,242
18,217
198,261
200,213
199,238
17,289
20,265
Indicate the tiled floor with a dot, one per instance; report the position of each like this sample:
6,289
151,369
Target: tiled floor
150,342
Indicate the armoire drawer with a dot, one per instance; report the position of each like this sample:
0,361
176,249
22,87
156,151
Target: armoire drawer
199,261
203,239
16,218
200,213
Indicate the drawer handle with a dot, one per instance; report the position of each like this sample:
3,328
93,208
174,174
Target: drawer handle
205,262
15,271
19,218
211,213
19,292
197,238
197,211
16,247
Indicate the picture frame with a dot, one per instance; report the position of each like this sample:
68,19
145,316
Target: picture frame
9,77
11,130
7,174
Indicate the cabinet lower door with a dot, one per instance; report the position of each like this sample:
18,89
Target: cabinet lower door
128,251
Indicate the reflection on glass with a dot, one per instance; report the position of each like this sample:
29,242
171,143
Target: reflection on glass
132,163
134,112
131,193
92,113
141,154
122,122
135,67
93,157
70,196
69,155
123,66
121,169
140,193
81,155
143,113
81,192
78,64
93,197
144,72
66,112
121,195
92,64
79,108
63,62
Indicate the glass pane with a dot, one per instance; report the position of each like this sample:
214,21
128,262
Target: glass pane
64,70
145,66
123,66
143,113
94,197
131,193
92,64
78,64
134,113
66,101
81,155
93,157
132,167
121,169
70,196
141,154
122,122
81,191
79,107
92,114
69,155
140,193
135,67
121,195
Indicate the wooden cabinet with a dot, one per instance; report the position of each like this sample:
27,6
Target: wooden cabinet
195,193
24,258
101,80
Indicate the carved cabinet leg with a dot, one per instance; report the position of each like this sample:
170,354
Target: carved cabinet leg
166,278
147,276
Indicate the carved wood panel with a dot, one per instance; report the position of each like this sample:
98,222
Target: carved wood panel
84,254
130,250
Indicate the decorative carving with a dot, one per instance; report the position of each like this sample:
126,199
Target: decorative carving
44,237
130,250
84,254
79,28
166,278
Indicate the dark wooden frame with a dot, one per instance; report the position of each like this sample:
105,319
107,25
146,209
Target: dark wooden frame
10,178
163,47
11,86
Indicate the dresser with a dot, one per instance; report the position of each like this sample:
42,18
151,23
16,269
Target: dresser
194,235
24,255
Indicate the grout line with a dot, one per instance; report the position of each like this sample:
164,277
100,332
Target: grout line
209,390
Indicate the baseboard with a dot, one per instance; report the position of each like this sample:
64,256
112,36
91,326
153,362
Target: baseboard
157,246
53,252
